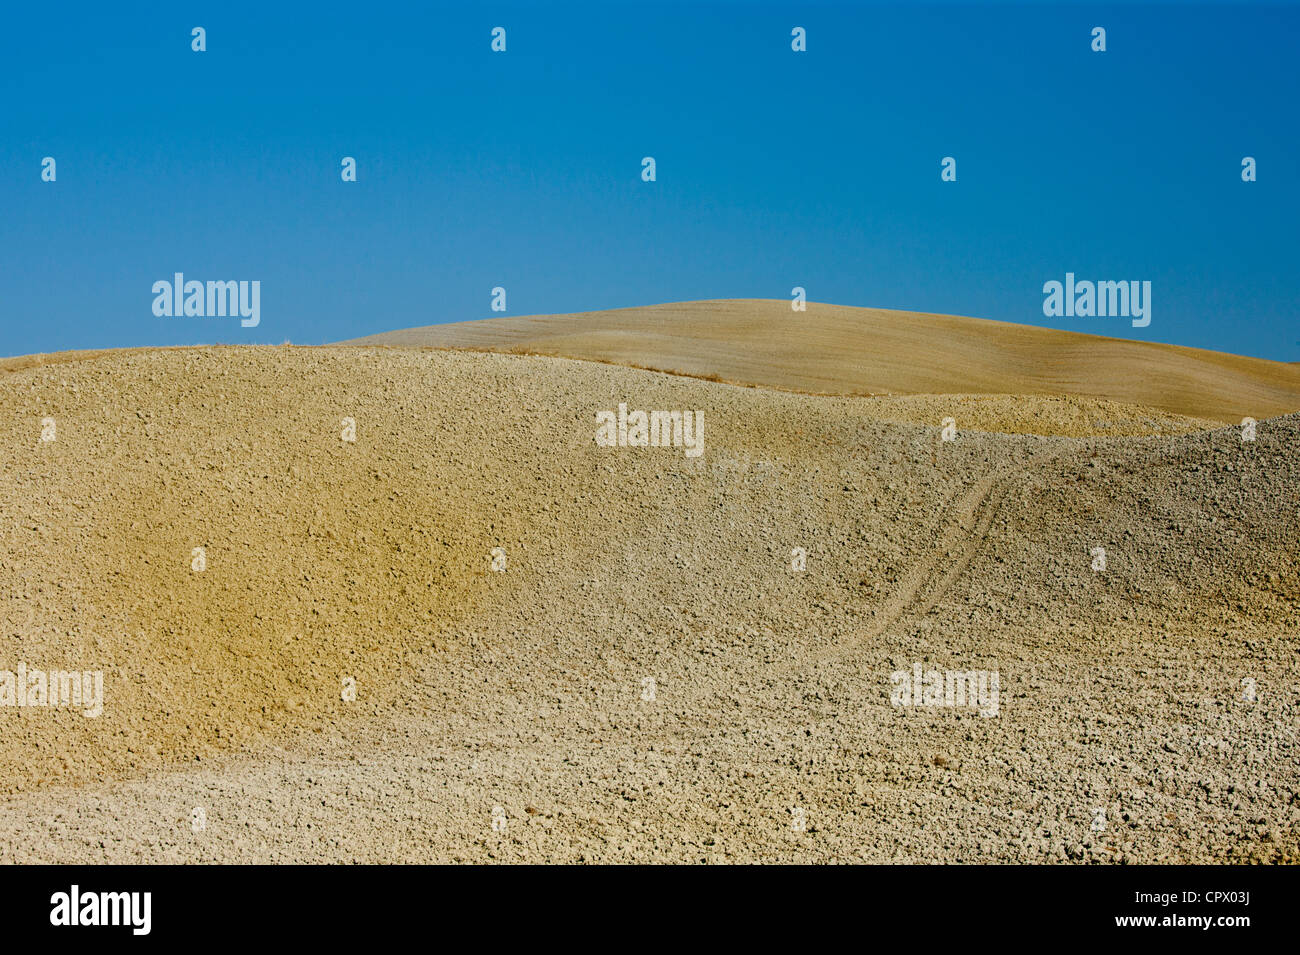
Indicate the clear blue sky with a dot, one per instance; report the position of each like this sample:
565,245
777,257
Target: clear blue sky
775,169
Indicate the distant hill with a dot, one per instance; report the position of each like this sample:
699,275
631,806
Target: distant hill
834,349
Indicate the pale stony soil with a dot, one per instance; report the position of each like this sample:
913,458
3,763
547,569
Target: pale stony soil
522,690
1065,415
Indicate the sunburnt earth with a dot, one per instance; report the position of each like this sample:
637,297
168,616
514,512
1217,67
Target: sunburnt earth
839,349
1147,712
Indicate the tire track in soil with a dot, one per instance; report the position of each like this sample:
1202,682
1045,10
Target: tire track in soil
929,580
969,516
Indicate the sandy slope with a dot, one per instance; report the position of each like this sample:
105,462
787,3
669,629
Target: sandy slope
843,350
1123,690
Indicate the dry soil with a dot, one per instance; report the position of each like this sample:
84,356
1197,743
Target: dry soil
648,677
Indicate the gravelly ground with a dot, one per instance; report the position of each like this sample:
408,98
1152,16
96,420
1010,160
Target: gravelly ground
1147,712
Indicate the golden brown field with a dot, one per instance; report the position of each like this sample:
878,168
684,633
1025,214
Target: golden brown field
648,675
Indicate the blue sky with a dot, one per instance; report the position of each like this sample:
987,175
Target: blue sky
523,170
